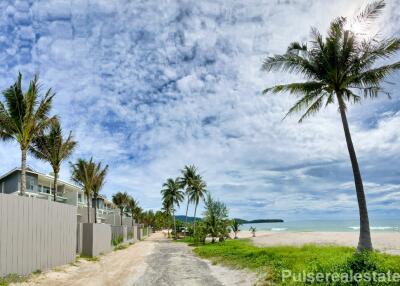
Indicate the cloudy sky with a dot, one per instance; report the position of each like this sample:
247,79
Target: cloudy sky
149,86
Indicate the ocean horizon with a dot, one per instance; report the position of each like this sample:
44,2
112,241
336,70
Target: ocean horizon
348,225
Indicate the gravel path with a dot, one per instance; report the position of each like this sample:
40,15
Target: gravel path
153,262
174,264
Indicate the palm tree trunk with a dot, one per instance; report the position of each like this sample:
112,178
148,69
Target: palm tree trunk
23,172
55,185
95,209
173,214
88,208
187,208
364,241
194,219
132,219
121,210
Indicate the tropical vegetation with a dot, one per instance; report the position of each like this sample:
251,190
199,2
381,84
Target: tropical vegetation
172,196
23,116
98,183
50,146
83,174
121,200
341,68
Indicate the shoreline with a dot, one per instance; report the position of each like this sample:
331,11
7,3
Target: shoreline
384,241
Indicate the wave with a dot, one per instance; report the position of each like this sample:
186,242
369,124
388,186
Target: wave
278,228
373,227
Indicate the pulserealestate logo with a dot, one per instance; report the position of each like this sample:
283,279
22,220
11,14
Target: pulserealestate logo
346,277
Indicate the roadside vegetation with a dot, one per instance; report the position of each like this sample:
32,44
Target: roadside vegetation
270,262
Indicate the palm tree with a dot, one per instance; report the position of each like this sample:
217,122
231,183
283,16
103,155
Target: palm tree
121,200
172,196
189,174
23,116
83,173
167,211
52,147
235,225
99,180
197,192
132,205
138,214
339,68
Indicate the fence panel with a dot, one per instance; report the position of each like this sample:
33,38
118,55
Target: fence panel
35,234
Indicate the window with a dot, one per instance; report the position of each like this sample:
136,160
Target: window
30,183
80,198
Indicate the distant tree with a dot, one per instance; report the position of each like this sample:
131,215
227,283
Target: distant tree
340,68
51,146
132,205
189,175
172,196
121,200
215,218
197,193
83,173
253,230
235,225
23,116
99,180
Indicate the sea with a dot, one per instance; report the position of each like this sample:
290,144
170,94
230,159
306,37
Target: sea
326,225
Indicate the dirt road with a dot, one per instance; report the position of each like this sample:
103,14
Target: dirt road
153,262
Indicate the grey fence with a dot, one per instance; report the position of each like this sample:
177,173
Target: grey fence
35,234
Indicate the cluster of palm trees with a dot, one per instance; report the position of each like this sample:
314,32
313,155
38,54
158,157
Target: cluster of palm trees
191,185
127,204
341,68
91,177
25,117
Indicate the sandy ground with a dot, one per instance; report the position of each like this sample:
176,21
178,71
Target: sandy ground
155,261
388,242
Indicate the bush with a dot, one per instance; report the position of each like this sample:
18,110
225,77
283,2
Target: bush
117,240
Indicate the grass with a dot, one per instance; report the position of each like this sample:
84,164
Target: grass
89,258
120,247
12,278
269,262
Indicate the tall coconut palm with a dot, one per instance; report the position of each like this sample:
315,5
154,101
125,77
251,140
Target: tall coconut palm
23,116
83,173
132,205
121,200
172,196
52,147
138,214
340,68
189,174
167,212
197,193
99,180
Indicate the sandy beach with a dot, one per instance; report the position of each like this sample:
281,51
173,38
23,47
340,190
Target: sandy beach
388,242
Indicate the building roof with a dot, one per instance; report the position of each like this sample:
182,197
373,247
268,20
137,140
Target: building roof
30,170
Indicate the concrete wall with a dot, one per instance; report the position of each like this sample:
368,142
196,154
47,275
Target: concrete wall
82,215
115,219
96,238
117,231
35,234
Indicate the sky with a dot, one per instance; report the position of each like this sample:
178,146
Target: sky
150,86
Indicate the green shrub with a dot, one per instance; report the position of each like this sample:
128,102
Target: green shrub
12,278
117,240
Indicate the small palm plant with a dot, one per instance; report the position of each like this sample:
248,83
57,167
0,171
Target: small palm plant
189,175
99,180
197,193
121,200
23,116
52,147
235,225
253,231
172,196
340,68
83,173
